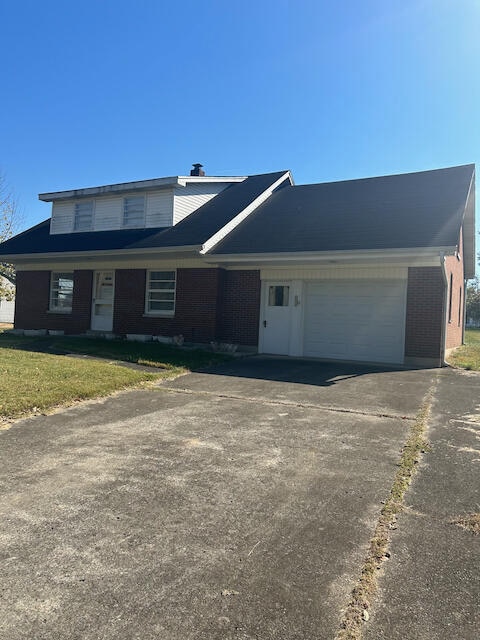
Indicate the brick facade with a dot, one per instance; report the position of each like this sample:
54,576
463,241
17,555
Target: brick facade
240,312
425,309
33,299
211,304
215,304
196,305
455,302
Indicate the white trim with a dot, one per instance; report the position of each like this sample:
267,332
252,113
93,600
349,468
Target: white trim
122,187
184,180
105,253
164,313
51,307
331,256
225,230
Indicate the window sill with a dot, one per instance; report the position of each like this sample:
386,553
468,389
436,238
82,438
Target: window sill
62,312
159,315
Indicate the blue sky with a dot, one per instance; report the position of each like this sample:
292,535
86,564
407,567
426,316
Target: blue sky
95,92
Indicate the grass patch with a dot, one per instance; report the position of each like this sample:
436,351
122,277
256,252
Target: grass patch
31,382
357,611
151,354
34,377
470,522
467,356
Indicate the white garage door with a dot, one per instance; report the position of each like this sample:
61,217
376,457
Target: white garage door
355,320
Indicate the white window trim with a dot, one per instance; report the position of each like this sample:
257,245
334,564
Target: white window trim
134,226
92,226
163,313
51,308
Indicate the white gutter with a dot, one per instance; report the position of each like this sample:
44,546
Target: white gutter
105,253
330,256
221,233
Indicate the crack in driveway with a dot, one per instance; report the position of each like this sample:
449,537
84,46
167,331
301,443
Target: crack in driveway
286,403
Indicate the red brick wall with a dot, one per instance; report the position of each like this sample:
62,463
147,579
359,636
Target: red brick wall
33,298
423,330
455,319
241,307
196,305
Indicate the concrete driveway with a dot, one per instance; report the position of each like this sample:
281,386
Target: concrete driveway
231,504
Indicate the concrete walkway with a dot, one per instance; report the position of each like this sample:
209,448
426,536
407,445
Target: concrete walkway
236,504
431,586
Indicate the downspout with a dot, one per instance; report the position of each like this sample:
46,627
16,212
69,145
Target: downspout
464,309
444,311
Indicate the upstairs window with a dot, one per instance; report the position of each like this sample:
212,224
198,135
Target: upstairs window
61,292
160,295
134,211
83,216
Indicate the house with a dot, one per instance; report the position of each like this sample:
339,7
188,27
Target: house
7,304
369,270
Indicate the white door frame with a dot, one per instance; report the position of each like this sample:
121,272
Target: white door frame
106,322
295,342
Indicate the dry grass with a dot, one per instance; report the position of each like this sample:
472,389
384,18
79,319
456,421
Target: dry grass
357,610
468,356
470,522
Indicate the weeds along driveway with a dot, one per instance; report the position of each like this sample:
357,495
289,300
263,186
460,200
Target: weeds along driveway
231,504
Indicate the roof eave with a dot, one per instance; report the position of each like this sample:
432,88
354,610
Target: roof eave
138,185
104,253
331,256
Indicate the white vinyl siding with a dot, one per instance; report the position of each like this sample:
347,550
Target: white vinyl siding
83,215
192,197
62,217
61,292
108,213
159,209
151,209
160,293
134,211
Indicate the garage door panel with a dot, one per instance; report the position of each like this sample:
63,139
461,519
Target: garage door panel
361,320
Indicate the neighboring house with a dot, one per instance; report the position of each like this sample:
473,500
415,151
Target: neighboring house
7,307
368,270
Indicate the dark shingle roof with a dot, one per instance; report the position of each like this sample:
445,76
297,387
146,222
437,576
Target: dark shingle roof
195,229
423,209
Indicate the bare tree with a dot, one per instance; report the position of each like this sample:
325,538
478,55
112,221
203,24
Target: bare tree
9,221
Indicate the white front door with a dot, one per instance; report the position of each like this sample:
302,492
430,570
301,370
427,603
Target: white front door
102,301
276,321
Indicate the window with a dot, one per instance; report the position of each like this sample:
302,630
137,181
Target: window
61,292
278,296
160,296
134,211
450,295
83,216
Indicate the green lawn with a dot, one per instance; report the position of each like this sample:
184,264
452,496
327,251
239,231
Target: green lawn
34,377
468,356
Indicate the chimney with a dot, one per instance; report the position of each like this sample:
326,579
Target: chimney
197,170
